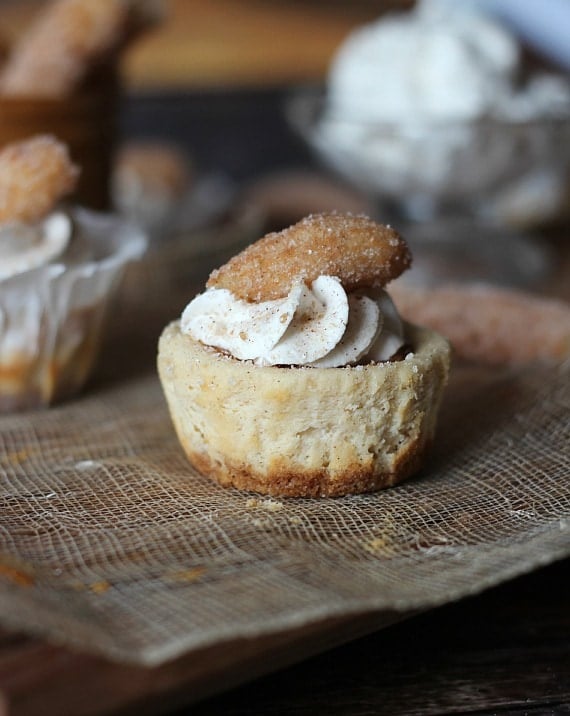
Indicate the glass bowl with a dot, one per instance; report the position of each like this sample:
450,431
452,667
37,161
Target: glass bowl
510,172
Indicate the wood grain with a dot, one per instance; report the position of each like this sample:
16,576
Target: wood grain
506,651
41,679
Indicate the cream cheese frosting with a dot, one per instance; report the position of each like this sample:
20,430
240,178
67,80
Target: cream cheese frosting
24,247
318,325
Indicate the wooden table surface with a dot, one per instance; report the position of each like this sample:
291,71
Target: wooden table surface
505,652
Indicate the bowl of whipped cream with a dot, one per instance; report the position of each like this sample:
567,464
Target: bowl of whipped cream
434,112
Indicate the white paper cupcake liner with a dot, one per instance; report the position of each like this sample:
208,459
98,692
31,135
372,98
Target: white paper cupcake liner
51,318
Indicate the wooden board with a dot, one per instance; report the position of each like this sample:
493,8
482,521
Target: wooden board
506,651
41,679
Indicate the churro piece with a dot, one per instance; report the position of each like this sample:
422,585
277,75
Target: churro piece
153,167
490,325
150,181
355,249
285,197
34,176
64,43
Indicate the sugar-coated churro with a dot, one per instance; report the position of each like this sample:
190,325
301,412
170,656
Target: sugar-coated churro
359,252
34,175
67,40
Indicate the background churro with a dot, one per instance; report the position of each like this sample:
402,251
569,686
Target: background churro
34,176
68,40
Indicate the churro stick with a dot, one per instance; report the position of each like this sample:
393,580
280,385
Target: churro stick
67,40
34,176
356,250
64,41
489,324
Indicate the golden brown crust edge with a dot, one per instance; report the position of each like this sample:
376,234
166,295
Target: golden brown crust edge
381,418
315,483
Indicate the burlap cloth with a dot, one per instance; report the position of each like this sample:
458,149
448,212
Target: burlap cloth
110,542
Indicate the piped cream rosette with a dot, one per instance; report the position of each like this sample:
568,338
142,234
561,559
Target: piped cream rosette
318,325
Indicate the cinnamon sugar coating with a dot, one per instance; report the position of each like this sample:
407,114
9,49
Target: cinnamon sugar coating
355,249
34,175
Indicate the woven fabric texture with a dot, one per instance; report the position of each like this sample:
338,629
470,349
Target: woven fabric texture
112,543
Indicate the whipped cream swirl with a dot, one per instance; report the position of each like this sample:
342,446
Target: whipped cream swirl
24,247
318,325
